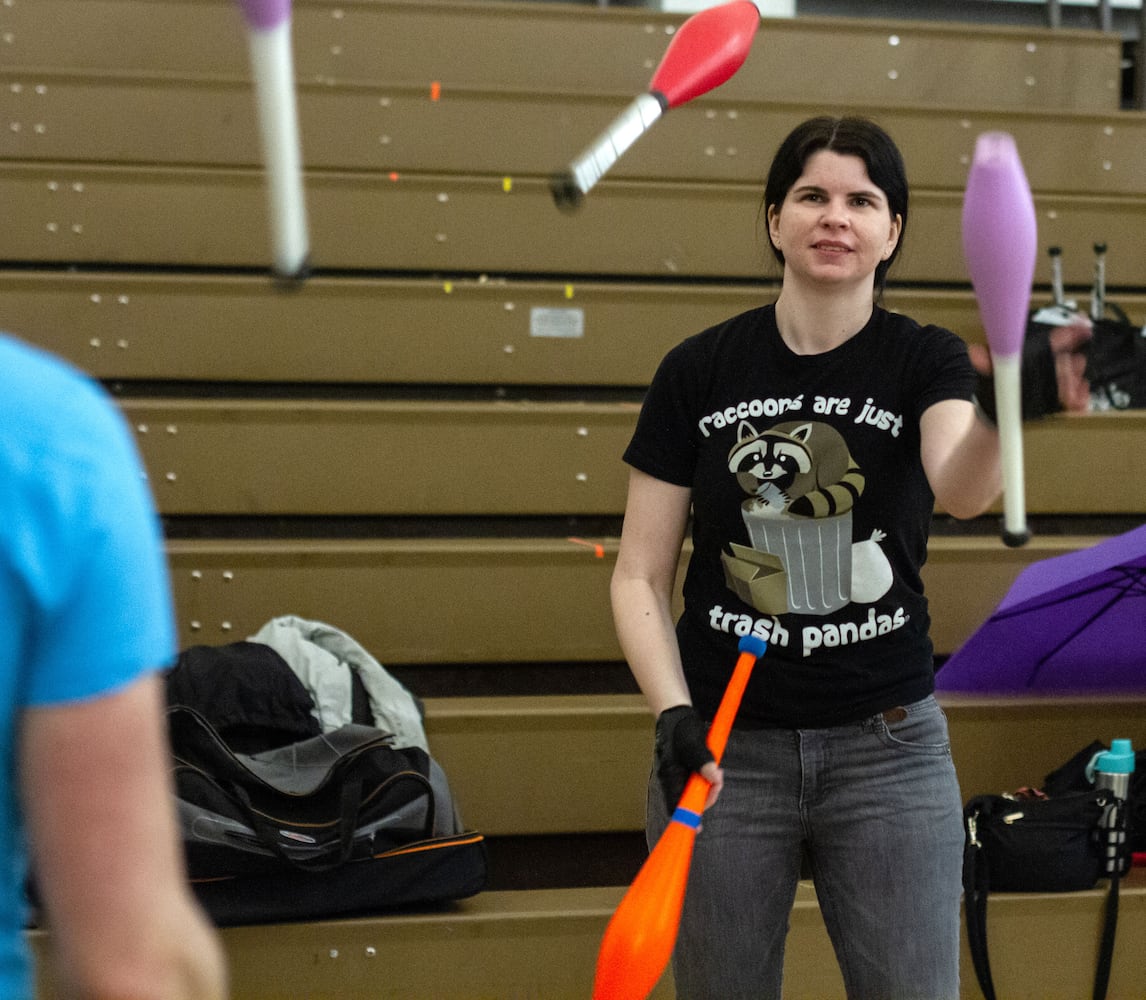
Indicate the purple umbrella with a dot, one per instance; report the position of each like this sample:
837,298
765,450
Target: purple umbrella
1068,625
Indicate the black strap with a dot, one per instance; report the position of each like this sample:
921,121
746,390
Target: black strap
975,892
1106,949
268,834
1110,921
350,803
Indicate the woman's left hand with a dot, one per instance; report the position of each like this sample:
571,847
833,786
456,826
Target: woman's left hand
1067,349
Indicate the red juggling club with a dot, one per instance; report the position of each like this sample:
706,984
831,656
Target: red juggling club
706,50
1000,243
639,938
272,68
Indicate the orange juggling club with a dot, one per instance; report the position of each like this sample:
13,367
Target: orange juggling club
640,937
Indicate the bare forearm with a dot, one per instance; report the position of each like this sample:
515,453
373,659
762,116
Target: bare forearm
961,456
178,958
974,479
645,630
642,586
119,907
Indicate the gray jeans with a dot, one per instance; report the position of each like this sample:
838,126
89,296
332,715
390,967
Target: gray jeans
875,807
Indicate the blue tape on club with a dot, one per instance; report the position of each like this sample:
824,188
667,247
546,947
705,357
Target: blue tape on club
687,817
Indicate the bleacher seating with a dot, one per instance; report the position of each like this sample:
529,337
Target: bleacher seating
420,444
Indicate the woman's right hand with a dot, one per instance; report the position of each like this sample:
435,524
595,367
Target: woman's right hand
682,750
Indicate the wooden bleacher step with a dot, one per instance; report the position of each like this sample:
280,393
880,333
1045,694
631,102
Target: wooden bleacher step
878,62
161,328
378,590
581,761
543,944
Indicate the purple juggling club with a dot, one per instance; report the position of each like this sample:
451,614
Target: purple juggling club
272,68
1000,243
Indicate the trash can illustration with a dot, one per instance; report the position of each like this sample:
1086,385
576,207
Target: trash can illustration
814,554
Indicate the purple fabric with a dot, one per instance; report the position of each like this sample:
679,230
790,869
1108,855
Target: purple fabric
265,14
1072,624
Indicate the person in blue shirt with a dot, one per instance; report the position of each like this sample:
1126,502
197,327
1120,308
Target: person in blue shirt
86,618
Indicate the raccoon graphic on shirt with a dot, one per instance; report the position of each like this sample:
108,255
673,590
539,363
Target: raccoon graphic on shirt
801,483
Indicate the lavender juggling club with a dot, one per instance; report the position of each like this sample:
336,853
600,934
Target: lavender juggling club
1000,243
272,69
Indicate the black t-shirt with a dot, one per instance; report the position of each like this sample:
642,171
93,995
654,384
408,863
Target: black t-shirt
810,510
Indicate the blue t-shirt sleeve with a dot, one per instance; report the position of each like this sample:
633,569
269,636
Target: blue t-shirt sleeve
93,562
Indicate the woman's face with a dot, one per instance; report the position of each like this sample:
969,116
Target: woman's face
834,226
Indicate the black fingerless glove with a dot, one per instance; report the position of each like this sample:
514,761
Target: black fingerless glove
1116,352
681,750
1036,374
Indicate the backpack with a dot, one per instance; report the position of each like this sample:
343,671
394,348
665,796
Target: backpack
337,824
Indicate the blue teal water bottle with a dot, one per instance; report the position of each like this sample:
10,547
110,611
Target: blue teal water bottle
1111,769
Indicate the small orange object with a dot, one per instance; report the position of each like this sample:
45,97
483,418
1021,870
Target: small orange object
598,549
435,90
